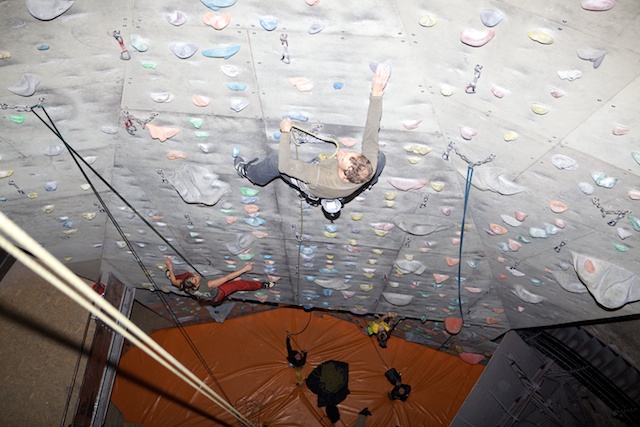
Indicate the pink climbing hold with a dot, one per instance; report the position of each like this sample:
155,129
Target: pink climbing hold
476,38
471,358
589,267
597,5
557,206
218,22
440,277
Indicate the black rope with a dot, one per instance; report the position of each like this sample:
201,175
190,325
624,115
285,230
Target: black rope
135,211
74,156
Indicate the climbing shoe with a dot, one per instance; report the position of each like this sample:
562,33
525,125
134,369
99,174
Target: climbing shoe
241,165
268,285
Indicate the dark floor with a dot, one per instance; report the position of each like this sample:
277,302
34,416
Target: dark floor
41,341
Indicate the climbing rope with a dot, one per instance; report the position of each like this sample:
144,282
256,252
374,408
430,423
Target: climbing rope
75,156
41,262
467,189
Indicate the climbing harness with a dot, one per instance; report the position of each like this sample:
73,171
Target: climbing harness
124,54
467,189
471,87
285,47
619,214
130,118
331,207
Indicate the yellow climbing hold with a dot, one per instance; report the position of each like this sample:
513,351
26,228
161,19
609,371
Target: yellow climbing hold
428,20
540,37
89,215
540,108
7,173
511,136
437,185
48,209
367,287
32,195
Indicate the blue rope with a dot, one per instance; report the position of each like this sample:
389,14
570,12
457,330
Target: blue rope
464,214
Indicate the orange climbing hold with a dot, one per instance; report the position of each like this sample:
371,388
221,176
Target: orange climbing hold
453,325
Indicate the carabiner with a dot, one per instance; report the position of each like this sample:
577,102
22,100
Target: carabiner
124,54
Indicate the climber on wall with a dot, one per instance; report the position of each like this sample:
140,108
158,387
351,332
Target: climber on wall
217,289
382,328
338,177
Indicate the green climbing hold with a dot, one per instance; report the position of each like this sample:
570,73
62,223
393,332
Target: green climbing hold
17,118
245,257
149,64
202,134
249,191
196,122
535,282
523,239
635,222
620,248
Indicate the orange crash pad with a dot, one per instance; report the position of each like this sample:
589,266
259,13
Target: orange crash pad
247,356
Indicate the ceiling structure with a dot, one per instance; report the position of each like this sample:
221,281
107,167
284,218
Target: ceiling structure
549,133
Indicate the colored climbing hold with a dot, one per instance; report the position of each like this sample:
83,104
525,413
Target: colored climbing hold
225,52
218,22
195,121
217,4
269,22
540,36
491,18
183,50
176,18
17,118
476,38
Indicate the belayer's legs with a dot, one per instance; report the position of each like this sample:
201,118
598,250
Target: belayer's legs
260,173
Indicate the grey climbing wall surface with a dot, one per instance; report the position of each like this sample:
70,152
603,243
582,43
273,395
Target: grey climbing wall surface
536,103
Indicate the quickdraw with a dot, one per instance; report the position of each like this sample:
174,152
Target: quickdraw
124,54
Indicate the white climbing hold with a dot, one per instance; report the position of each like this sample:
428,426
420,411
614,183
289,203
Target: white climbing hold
27,86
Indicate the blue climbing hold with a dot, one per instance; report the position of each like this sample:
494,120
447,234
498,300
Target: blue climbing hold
235,152
248,200
296,116
217,4
238,87
254,222
269,23
225,52
338,85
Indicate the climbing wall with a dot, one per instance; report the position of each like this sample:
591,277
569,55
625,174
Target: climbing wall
535,105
